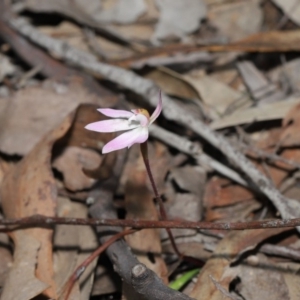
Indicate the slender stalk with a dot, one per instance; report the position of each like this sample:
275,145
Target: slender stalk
163,214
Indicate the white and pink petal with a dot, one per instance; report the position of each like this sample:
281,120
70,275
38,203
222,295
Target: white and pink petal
115,113
111,125
157,110
127,139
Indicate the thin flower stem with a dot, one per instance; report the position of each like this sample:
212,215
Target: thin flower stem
163,214
82,267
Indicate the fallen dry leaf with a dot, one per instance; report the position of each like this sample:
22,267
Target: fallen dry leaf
290,8
87,40
221,192
228,250
235,19
123,11
217,96
6,257
173,83
106,281
270,41
30,113
226,201
266,112
291,278
21,283
251,272
73,244
77,154
95,14
189,179
290,136
71,162
29,188
6,67
179,60
4,167
287,75
184,194
189,12
262,90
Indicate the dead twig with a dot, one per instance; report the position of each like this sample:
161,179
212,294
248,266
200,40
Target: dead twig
269,156
223,290
39,220
280,251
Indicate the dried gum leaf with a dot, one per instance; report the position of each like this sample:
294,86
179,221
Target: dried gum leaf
73,244
21,283
227,252
71,162
235,19
31,113
29,188
265,112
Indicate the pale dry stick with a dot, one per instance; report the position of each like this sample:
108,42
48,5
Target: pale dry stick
269,156
282,251
247,144
225,293
285,18
193,149
270,249
93,44
287,207
27,76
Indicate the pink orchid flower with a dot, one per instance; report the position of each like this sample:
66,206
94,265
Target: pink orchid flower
136,121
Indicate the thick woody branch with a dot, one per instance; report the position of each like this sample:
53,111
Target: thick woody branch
147,283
